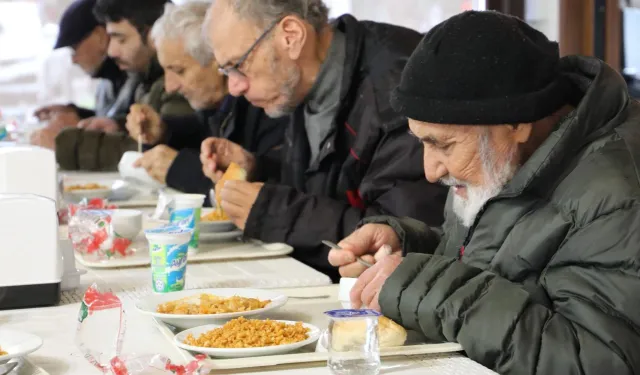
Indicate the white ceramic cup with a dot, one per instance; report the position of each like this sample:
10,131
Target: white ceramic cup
127,223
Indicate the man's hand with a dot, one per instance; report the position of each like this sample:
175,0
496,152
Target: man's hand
103,124
238,198
61,120
367,242
47,112
144,120
367,289
217,153
45,137
157,162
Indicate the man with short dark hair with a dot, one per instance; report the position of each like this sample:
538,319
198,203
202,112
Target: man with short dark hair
87,37
347,154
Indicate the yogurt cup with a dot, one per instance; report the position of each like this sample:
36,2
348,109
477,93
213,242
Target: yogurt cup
185,211
168,249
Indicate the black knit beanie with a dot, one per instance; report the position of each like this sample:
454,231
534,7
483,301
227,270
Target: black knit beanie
481,68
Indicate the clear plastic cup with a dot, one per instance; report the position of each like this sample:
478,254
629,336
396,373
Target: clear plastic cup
185,211
168,249
352,342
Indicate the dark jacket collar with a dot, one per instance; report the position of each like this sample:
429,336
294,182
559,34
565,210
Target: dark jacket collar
154,72
603,100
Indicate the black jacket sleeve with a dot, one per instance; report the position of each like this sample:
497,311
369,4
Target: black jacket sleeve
585,322
185,174
394,185
186,131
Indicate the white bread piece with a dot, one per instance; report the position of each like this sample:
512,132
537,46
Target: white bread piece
233,173
347,333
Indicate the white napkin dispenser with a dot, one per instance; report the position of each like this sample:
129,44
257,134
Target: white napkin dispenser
28,170
30,263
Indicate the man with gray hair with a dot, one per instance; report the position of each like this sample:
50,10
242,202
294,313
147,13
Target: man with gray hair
347,153
190,70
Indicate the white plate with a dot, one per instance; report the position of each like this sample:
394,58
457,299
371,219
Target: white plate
205,226
314,334
149,304
18,344
222,236
217,226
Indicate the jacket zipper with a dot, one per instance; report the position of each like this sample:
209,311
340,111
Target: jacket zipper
467,239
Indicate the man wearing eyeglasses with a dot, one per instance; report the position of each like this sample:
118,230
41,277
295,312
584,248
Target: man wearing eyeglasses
347,153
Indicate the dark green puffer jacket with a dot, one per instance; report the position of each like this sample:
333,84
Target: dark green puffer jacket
549,279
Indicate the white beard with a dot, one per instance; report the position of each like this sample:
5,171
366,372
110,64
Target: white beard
496,177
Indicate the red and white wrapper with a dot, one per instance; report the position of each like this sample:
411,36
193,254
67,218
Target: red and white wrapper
92,235
101,332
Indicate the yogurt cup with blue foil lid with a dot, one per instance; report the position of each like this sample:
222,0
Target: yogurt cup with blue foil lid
168,250
352,341
352,313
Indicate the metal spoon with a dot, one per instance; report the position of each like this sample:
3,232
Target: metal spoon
360,260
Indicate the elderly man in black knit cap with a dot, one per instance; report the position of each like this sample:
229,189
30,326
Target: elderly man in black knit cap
535,270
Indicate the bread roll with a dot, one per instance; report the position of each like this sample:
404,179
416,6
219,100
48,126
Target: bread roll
348,333
233,173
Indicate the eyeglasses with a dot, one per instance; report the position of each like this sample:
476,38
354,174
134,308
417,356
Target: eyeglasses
235,68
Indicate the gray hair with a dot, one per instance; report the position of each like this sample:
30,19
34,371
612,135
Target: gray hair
266,12
184,23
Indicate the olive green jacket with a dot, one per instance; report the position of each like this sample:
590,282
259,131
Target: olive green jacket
78,149
546,281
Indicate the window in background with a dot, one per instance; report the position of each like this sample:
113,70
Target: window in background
30,71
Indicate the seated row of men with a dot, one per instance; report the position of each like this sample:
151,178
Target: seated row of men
530,262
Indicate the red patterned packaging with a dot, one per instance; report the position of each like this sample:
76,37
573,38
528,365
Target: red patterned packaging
100,335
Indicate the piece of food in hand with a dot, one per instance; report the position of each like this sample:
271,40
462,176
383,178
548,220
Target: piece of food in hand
347,333
91,186
204,304
2,352
245,333
233,173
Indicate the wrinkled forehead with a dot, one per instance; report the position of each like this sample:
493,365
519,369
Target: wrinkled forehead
171,51
229,35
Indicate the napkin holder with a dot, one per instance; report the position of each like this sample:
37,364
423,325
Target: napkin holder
28,170
30,263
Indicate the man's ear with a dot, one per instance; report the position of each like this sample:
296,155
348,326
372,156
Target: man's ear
522,132
292,36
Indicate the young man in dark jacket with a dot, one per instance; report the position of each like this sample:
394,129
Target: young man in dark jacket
347,153
536,268
81,31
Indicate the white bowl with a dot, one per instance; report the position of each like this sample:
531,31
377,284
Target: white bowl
17,344
78,195
149,305
215,226
313,335
129,172
126,223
